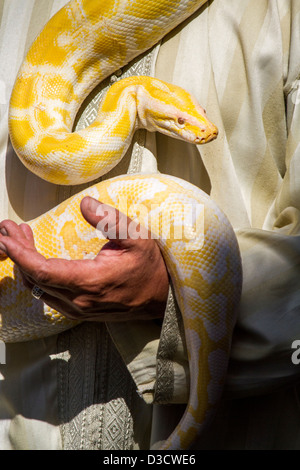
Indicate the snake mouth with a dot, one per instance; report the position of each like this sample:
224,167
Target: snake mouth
211,134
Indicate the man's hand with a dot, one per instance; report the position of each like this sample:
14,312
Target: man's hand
126,280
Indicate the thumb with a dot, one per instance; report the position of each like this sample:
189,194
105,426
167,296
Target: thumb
113,224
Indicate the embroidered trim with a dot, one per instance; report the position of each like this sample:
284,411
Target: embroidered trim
96,394
172,334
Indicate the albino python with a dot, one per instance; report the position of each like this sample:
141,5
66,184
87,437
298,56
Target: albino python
83,43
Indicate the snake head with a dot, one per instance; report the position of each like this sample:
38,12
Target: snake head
173,111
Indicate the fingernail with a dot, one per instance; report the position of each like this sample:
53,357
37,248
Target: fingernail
2,247
101,210
93,205
3,231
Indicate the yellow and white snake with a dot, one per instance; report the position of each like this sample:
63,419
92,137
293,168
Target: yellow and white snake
83,43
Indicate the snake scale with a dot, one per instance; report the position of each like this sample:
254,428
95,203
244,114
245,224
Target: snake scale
86,41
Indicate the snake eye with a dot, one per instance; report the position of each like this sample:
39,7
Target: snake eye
181,122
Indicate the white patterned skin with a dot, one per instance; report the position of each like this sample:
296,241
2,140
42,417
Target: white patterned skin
85,42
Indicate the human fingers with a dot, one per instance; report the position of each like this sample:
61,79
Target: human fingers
27,230
113,224
16,241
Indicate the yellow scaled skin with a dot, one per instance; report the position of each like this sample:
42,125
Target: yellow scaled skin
65,157
81,45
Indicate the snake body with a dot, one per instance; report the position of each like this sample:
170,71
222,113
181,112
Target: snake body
81,45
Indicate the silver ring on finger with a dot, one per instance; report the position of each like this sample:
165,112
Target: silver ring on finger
37,292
